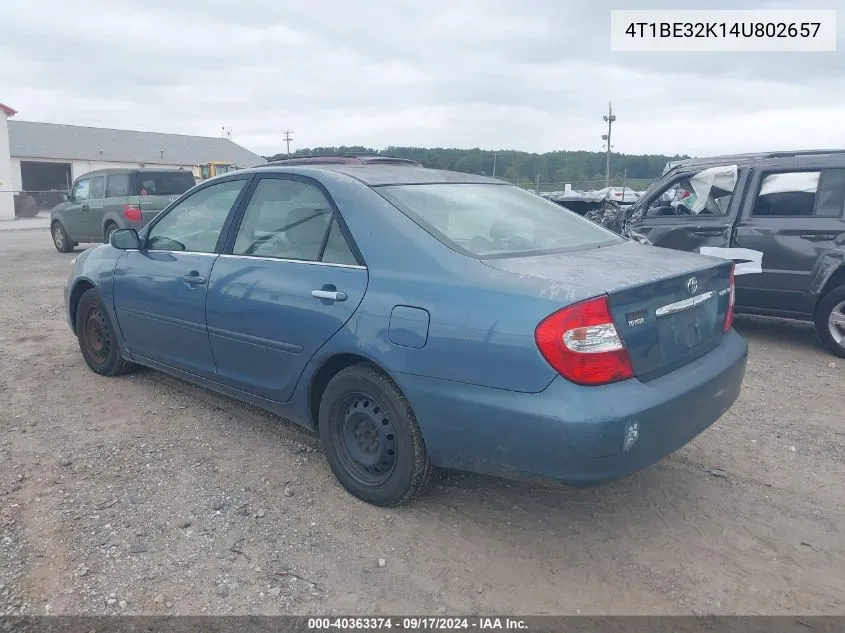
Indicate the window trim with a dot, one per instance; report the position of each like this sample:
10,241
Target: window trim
237,220
761,176
224,230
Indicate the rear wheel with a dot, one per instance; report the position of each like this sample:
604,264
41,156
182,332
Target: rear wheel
96,335
371,437
830,321
111,227
61,240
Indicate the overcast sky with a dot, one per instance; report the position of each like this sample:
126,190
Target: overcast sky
533,75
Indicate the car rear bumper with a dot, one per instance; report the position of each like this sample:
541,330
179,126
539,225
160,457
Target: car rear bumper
573,433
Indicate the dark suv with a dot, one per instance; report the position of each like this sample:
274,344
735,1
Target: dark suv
778,215
108,199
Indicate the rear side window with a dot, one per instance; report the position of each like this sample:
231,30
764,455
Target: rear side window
118,185
290,219
801,194
488,220
98,187
165,183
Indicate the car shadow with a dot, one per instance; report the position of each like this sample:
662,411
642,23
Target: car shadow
766,330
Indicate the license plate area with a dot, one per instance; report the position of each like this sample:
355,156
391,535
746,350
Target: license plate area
686,329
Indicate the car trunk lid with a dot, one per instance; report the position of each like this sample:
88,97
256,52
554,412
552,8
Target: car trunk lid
668,306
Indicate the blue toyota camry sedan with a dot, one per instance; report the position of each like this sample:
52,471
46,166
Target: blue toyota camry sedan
416,318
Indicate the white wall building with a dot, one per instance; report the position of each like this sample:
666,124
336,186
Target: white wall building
7,203
47,157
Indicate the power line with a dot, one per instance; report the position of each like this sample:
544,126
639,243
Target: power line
288,139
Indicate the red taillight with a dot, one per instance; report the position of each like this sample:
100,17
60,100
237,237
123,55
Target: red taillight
729,317
581,342
132,212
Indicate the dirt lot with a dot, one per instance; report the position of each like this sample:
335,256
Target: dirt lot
144,494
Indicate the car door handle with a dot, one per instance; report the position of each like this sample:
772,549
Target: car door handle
85,207
194,280
708,232
331,295
818,237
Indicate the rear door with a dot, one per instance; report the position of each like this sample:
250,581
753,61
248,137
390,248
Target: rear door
76,211
792,221
693,211
287,281
160,291
157,189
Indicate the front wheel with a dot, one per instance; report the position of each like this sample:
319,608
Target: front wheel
111,227
61,240
96,335
371,438
830,321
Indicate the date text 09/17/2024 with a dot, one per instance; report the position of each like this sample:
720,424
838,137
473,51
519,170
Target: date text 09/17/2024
417,623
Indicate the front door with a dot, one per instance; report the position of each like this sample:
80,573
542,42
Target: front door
94,216
76,211
160,290
794,220
287,284
693,211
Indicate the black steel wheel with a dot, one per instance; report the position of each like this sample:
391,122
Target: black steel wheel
371,437
61,240
96,337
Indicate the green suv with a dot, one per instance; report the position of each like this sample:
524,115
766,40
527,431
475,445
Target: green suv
105,200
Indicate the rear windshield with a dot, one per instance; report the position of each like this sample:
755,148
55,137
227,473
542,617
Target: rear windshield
165,183
489,220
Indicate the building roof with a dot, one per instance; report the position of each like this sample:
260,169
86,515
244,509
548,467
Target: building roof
28,139
7,110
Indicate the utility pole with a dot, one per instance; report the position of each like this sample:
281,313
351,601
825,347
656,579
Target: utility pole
609,118
537,190
494,164
288,138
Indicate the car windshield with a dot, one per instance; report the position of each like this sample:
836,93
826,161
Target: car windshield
165,183
490,220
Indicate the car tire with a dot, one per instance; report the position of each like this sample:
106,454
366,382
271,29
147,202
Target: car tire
829,321
61,240
371,437
97,337
110,228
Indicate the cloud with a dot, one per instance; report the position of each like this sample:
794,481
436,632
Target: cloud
535,75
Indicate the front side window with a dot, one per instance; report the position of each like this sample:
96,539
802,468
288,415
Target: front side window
98,187
290,219
489,220
194,225
705,193
81,190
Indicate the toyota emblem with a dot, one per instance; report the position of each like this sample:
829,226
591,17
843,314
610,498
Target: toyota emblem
692,285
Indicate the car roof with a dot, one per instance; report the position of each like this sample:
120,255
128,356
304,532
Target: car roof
376,174
813,156
343,159
131,170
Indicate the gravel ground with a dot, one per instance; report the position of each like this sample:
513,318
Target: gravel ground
144,494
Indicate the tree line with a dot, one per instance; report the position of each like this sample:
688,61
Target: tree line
575,167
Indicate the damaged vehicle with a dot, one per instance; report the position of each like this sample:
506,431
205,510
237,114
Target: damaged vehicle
777,215
415,318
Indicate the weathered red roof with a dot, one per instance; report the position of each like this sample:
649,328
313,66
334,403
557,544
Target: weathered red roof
7,110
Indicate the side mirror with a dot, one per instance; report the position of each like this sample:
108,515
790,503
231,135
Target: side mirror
125,239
